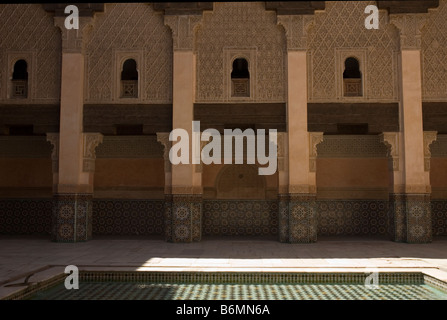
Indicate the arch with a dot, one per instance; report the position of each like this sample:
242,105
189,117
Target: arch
129,79
19,80
352,78
352,69
240,182
240,69
240,78
20,70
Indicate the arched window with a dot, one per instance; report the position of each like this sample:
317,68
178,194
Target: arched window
20,79
129,79
352,78
240,78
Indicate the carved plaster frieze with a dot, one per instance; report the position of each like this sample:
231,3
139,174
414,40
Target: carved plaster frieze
410,29
74,40
183,28
296,28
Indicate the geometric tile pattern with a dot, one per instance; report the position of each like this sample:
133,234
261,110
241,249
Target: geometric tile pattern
183,218
182,291
439,217
352,217
242,286
419,225
298,218
25,216
236,217
72,218
397,222
127,217
410,218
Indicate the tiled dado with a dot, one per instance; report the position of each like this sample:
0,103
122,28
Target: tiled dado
410,218
352,217
127,217
439,217
297,218
25,216
240,217
183,218
72,218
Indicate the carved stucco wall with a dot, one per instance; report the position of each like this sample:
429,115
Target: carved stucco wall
434,53
251,30
135,29
340,28
27,31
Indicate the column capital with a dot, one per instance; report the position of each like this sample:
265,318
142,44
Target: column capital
163,138
410,29
74,40
391,141
296,28
183,29
315,138
429,138
90,142
53,138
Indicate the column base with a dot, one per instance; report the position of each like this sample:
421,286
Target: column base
410,218
183,218
297,218
72,218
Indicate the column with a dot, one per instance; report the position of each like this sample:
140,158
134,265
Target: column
410,210
183,208
75,150
297,198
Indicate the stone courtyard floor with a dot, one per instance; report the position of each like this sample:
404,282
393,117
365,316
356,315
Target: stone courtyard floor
21,256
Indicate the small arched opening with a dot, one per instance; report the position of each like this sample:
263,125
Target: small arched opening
20,80
240,78
129,79
352,78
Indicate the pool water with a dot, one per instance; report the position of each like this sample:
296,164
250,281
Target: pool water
229,291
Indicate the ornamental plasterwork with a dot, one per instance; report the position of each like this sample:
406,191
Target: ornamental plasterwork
409,26
53,138
129,27
183,28
342,26
315,138
296,28
240,26
90,142
74,40
429,138
434,53
29,30
163,138
391,141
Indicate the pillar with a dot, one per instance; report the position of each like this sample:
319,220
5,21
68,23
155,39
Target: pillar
73,150
297,182
183,199
410,210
